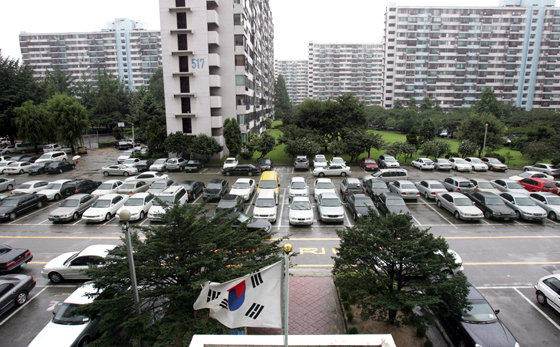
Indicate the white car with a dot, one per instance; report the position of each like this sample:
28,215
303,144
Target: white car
244,187
149,177
477,164
532,174
158,165
330,208
459,205
53,156
172,195
332,170
4,164
320,161
442,164
423,164
138,205
159,186
265,205
17,168
71,265
230,162
483,185
131,162
52,190
405,189
429,188
301,212
104,208
298,187
323,185
107,187
547,291
460,164
30,187
337,160
124,156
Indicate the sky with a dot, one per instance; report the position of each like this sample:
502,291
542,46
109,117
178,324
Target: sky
296,22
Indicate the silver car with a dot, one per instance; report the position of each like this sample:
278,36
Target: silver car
458,184
510,186
72,207
549,202
7,183
524,206
159,165
442,164
544,167
429,188
330,208
405,189
159,186
118,169
459,205
332,170
130,188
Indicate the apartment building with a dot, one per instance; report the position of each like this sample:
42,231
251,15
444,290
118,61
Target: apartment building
125,49
336,69
295,74
218,63
452,53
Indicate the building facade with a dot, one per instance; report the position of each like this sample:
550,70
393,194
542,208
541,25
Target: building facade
452,53
218,63
125,49
336,69
295,74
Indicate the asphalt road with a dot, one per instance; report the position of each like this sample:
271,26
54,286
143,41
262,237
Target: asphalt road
502,259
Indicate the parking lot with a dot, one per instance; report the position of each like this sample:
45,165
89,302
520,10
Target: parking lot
502,259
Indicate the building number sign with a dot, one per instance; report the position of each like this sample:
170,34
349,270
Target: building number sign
197,63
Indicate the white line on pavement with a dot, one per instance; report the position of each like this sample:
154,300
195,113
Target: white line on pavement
104,224
29,215
200,173
538,309
22,306
279,218
46,220
416,220
433,209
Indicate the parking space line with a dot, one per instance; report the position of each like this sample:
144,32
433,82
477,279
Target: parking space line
46,220
22,306
200,173
78,221
433,209
108,221
416,220
28,215
279,218
144,221
538,309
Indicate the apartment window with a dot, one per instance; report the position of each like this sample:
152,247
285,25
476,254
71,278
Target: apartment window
185,105
183,64
241,119
239,40
237,19
179,3
239,80
182,42
236,1
185,86
239,60
187,126
181,20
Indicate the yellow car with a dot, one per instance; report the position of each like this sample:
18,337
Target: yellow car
82,150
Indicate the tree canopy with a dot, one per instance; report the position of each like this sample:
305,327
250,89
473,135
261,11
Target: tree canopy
70,119
473,129
232,137
282,100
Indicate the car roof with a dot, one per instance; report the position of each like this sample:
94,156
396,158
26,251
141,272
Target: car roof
230,197
516,194
457,195
323,180
480,179
108,196
188,182
61,181
217,180
361,196
76,196
329,195
301,198
171,190
545,194
244,180
33,182
267,193
538,179
80,297
507,180
427,181
97,250
140,195
459,178
353,179
300,179
112,181
18,196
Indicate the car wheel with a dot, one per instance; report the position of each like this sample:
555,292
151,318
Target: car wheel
13,216
55,277
426,195
457,215
250,173
105,173
355,216
107,217
57,197
517,215
525,169
491,168
59,171
64,159
439,203
142,215
552,215
321,174
343,174
84,342
228,173
75,216
541,298
10,187
21,298
39,204
125,174
20,172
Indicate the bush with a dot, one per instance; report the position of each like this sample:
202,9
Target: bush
428,344
452,154
353,330
107,144
497,156
421,330
350,316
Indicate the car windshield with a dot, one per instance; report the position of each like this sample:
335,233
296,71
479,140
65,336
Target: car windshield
45,156
395,202
230,161
494,161
549,185
460,161
101,204
494,201
525,174
214,186
227,204
330,202
4,164
66,315
301,205
268,184
105,186
8,203
241,185
390,159
320,160
134,202
129,161
480,312
192,162
324,185
378,184
443,161
298,185
301,159
408,186
165,200
24,186
364,202
369,161
159,185
553,201
485,185
463,202
265,203
70,203
524,202
160,161
128,186
437,186
354,185
476,161
127,153
514,185
41,163
265,162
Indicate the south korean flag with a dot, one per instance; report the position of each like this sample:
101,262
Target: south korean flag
253,300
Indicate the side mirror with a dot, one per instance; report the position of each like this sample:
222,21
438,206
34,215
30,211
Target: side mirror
496,312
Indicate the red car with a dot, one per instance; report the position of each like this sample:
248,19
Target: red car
539,185
368,164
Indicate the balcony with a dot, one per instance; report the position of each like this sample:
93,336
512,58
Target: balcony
213,38
215,102
215,81
217,121
214,60
212,17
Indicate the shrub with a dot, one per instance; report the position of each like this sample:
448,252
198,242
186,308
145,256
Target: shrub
497,156
428,344
421,330
353,330
350,316
107,144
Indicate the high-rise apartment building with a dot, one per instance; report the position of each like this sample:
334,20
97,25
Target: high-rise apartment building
125,49
295,76
336,69
452,53
218,63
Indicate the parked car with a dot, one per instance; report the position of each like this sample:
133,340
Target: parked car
359,206
193,165
176,164
547,291
230,162
368,164
29,158
17,168
130,188
30,187
52,156
82,150
241,169
332,170
11,259
483,185
337,160
423,164
16,289
215,189
539,185
298,187
549,169
148,177
119,170
442,164
524,207
320,161
494,164
375,186
549,202
387,162
59,167
477,164
244,187
301,163
193,188
407,190
4,165
391,203
71,208
507,185
158,165
301,212
389,175
323,185
159,186
107,187
459,205
104,208
125,155
138,205
19,204
531,174
38,168
429,188
259,225
172,195
458,184
460,164
330,208
52,147
82,186
349,186
7,184
72,265
131,162
265,206
265,164
492,206
53,191
236,202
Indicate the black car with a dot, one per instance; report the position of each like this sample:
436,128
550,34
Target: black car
16,205
38,168
28,158
143,165
79,187
253,224
492,205
375,186
477,326
14,290
59,167
193,166
242,169
359,205
265,164
216,189
391,203
230,201
12,258
193,188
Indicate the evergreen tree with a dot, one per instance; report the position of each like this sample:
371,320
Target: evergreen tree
206,146
70,119
428,130
232,137
488,104
155,87
33,123
398,105
426,104
281,98
155,136
59,82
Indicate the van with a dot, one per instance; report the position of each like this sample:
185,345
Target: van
21,148
53,156
269,180
390,175
265,205
51,147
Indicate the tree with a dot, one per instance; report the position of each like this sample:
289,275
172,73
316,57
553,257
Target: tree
155,136
263,144
232,137
412,105
155,87
206,146
179,143
435,148
70,119
399,148
303,146
467,148
388,265
537,151
172,263
426,104
488,104
281,98
59,82
118,133
33,123
428,130
111,101
473,129
374,140
268,123
412,137
398,104
408,120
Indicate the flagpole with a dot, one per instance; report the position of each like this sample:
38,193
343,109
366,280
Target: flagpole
287,250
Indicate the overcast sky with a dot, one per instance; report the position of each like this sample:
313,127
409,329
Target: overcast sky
296,22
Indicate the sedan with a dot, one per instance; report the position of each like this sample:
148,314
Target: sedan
492,206
16,289
7,184
148,177
332,170
483,185
460,164
230,162
244,187
407,190
230,201
459,205
215,189
442,164
375,186
391,203
131,162
507,185
458,184
104,208
298,187
550,169
16,205
429,188
549,202
143,165
59,167
118,169
423,164
320,161
193,188
31,187
494,164
4,165
531,174
159,186
477,164
241,169
72,207
130,188
138,205
107,187
265,164
547,291
260,225
193,166
17,168
158,165
524,207
13,258
323,185
337,160
368,164
387,162
359,206
301,212
38,168
330,208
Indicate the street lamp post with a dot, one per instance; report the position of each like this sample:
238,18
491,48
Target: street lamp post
485,133
125,217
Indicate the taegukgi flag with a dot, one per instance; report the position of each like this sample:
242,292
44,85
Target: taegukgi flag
253,300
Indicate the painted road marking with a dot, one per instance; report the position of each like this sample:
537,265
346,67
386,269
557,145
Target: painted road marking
22,306
29,215
445,219
538,309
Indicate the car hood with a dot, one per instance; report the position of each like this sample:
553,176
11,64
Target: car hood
156,210
332,210
131,209
241,192
6,209
492,334
157,165
398,209
301,213
258,223
212,191
504,209
58,335
58,262
532,209
469,209
63,211
378,191
103,192
264,210
320,164
363,210
96,211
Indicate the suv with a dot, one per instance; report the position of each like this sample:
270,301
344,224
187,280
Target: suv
172,195
216,189
176,164
122,145
301,162
351,186
52,156
389,175
387,161
79,187
458,184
